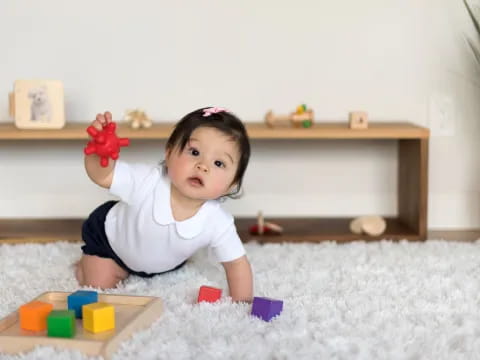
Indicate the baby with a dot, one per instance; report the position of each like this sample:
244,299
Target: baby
167,212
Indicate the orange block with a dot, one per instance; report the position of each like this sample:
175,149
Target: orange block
33,315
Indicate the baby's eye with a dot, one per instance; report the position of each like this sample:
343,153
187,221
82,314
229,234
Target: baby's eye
219,163
193,152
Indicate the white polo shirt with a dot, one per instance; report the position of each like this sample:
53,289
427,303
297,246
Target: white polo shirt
143,233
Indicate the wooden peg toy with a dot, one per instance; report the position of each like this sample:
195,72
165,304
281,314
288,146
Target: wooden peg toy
265,227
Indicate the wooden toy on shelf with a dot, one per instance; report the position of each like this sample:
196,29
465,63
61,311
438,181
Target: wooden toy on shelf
266,308
262,227
372,225
137,119
302,117
209,294
358,120
105,143
37,104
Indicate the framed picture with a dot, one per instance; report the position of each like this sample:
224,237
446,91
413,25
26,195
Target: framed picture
38,104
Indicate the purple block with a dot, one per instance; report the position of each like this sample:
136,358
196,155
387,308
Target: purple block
266,308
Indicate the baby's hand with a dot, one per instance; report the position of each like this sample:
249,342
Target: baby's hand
102,120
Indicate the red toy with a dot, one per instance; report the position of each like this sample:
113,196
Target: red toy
263,227
105,143
209,294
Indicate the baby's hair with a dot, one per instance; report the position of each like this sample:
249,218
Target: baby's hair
224,121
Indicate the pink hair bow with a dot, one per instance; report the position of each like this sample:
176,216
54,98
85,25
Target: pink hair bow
213,110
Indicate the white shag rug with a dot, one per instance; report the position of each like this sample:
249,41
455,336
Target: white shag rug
359,300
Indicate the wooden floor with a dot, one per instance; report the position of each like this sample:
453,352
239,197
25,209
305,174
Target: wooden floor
296,230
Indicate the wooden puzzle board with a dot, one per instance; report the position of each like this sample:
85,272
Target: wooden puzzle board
132,313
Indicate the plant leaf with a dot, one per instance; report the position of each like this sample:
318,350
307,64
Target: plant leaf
472,16
476,52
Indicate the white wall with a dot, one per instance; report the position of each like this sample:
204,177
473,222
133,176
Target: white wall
389,57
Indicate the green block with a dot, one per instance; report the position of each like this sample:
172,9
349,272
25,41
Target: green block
61,323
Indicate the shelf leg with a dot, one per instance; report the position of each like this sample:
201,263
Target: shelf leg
413,185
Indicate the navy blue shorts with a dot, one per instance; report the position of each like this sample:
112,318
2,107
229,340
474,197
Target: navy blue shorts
96,242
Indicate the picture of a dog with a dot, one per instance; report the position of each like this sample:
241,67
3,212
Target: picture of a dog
40,106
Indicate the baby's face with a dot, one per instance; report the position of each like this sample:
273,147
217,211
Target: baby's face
205,169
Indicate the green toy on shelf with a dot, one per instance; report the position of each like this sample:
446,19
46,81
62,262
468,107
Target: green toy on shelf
301,117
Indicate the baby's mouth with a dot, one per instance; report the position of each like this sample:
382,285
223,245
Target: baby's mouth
195,181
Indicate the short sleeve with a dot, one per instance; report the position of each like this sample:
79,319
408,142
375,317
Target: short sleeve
129,179
228,246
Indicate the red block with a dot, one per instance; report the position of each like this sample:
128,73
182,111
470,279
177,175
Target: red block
209,294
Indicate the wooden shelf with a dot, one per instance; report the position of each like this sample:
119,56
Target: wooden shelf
40,230
412,194
330,130
295,230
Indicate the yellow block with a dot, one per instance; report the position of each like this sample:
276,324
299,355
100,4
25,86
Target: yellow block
98,317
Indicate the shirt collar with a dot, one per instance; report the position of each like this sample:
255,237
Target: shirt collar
162,211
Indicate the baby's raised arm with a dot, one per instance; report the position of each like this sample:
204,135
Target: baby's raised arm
101,176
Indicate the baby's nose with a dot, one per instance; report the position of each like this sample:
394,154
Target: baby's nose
202,167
